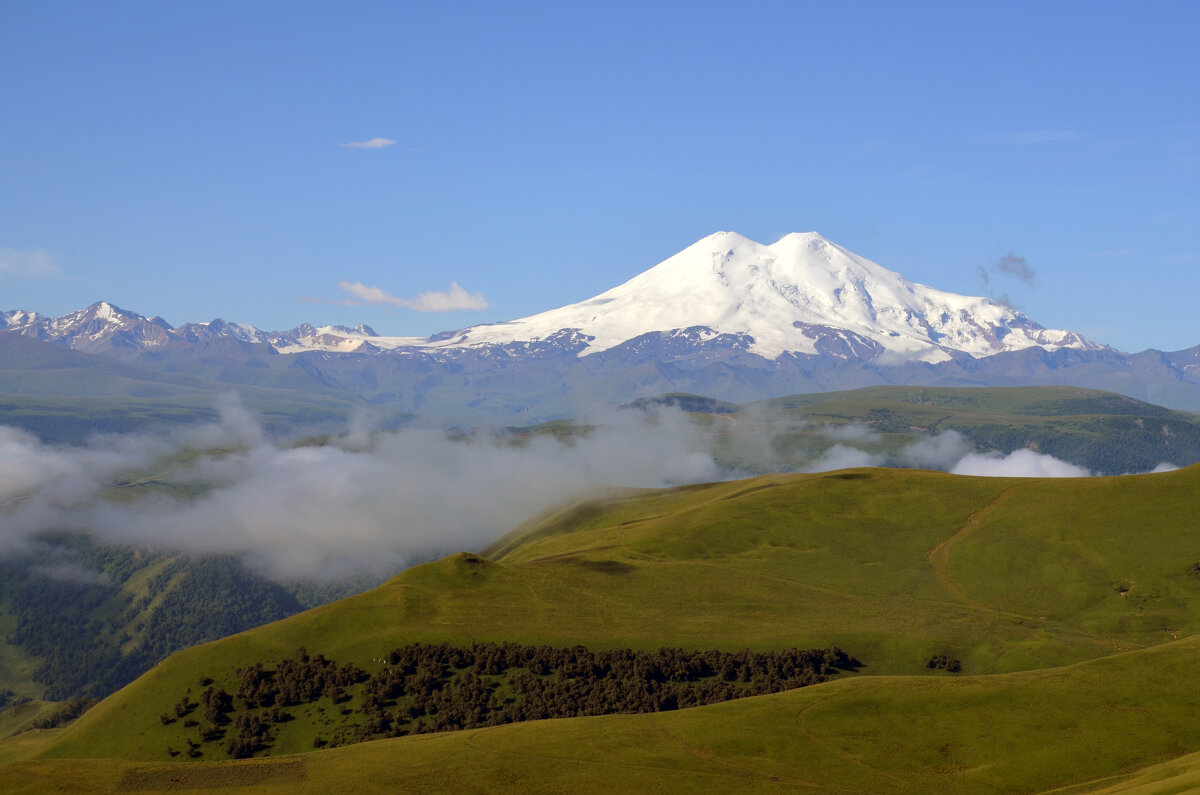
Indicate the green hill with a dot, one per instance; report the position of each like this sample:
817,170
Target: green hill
1107,433
82,618
1114,724
1104,432
63,395
1060,600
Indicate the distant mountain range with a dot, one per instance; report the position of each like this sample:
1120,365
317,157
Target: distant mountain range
726,317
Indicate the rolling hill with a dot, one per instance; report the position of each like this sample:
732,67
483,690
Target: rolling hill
1071,606
1104,432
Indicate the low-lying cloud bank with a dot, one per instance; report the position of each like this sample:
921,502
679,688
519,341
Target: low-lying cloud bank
360,503
1018,463
370,503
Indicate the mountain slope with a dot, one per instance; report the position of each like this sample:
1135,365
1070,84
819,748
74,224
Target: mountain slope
787,297
895,567
726,317
802,294
67,395
1107,725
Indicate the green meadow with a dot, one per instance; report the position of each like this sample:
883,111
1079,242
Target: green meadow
1072,606
1122,721
1106,433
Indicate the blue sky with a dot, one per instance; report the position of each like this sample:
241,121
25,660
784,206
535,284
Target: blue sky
189,159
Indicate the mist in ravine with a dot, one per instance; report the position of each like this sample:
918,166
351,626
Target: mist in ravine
367,502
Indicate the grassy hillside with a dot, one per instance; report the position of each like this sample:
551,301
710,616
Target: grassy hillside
1118,724
83,618
1106,433
63,395
896,567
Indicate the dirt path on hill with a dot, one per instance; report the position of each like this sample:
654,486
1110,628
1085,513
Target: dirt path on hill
837,751
939,556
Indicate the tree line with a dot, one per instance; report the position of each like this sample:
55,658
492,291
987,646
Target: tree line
90,635
422,688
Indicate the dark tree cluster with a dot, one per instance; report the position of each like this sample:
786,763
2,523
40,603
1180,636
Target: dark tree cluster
209,598
944,663
299,679
440,687
10,699
65,714
92,636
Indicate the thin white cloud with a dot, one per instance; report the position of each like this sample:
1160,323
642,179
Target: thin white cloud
450,300
374,143
33,262
1035,137
842,457
1019,463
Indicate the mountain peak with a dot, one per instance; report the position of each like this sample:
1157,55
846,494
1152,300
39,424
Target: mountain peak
801,237
104,310
801,295
723,241
783,297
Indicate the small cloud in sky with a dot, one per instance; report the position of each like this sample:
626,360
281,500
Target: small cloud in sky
1034,137
1015,266
1009,264
453,299
374,143
34,262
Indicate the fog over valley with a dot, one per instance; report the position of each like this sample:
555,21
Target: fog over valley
367,502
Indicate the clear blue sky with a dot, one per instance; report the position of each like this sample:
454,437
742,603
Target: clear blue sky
188,159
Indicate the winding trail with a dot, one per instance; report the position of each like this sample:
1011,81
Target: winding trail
837,751
939,556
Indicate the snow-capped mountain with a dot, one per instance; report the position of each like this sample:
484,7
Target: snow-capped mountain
802,295
786,298
103,327
726,317
96,328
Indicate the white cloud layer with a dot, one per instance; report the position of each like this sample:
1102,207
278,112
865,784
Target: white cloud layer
842,457
363,503
33,262
940,451
1018,463
453,299
371,502
374,143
